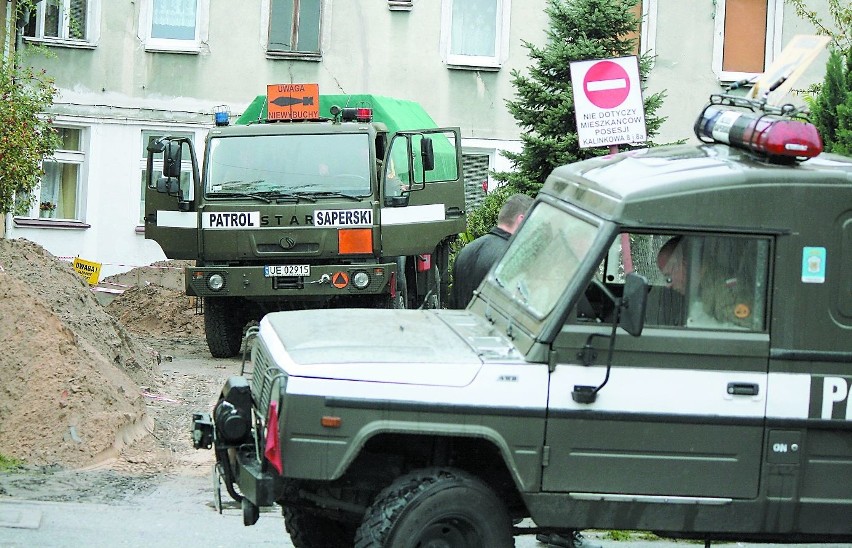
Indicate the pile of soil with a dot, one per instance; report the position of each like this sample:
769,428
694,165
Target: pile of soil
74,376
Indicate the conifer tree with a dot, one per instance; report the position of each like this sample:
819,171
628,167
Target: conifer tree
580,30
831,109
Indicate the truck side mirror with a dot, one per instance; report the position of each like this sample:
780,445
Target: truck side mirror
427,154
634,301
172,159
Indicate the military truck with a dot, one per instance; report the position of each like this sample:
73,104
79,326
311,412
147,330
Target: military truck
665,346
309,201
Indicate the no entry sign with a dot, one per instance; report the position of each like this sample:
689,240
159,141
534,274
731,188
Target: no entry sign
608,102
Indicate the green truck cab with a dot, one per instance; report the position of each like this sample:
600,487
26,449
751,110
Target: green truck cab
351,206
665,346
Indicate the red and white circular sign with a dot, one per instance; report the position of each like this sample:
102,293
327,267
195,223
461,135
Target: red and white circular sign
606,84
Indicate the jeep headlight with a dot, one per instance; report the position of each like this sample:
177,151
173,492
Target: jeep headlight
215,282
360,279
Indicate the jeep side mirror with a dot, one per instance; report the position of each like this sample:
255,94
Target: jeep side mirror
634,301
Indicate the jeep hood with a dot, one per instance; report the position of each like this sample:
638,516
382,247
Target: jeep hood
392,346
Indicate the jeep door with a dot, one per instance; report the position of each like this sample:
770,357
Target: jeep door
683,410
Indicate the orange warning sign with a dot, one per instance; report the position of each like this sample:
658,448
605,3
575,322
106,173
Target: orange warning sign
292,101
340,280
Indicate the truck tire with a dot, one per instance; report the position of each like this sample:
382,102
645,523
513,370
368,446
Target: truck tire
401,299
436,507
224,321
309,530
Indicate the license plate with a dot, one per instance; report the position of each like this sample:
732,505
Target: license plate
271,271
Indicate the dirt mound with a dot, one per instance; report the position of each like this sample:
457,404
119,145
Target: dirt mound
158,312
71,373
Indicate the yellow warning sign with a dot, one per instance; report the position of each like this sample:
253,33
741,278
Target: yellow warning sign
340,280
292,101
87,269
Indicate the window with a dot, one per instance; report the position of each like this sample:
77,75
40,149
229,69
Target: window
186,163
645,36
294,28
174,25
60,189
475,33
700,282
71,22
747,37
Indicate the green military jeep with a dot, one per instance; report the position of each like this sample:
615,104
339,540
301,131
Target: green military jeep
665,346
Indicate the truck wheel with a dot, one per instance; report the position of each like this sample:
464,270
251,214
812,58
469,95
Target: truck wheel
223,326
401,299
309,530
436,507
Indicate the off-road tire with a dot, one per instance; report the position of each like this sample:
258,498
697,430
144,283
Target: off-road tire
224,320
436,504
310,530
401,299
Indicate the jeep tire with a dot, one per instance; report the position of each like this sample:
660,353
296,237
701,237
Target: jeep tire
436,506
311,530
224,320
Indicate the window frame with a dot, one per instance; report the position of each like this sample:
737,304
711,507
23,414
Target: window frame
476,62
174,45
772,40
266,22
91,32
62,156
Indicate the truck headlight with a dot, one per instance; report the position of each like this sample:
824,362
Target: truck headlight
215,282
360,280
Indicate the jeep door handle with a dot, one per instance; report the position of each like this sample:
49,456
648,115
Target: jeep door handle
743,389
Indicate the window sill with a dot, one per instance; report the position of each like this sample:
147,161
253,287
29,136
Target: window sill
58,42
29,222
193,49
488,68
400,5
312,57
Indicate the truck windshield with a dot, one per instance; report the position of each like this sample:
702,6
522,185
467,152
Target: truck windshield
544,257
289,164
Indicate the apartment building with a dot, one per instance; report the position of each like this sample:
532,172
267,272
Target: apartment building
130,70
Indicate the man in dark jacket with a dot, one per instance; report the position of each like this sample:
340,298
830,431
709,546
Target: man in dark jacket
476,258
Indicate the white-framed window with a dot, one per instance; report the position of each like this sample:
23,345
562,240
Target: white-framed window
475,33
64,22
295,29
174,25
747,37
149,135
61,189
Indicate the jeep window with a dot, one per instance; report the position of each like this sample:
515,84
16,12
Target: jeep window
289,164
543,258
700,282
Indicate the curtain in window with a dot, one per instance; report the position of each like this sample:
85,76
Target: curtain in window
474,29
173,19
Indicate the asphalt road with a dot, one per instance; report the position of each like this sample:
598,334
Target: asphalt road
181,515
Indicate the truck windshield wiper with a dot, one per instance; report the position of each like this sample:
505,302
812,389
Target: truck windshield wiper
327,194
267,196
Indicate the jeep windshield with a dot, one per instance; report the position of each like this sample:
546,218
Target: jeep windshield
544,257
289,166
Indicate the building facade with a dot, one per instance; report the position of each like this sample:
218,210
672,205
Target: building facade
128,71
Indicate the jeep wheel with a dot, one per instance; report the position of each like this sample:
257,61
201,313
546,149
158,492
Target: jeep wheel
310,530
436,507
224,320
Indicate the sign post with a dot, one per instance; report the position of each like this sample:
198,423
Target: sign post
608,102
